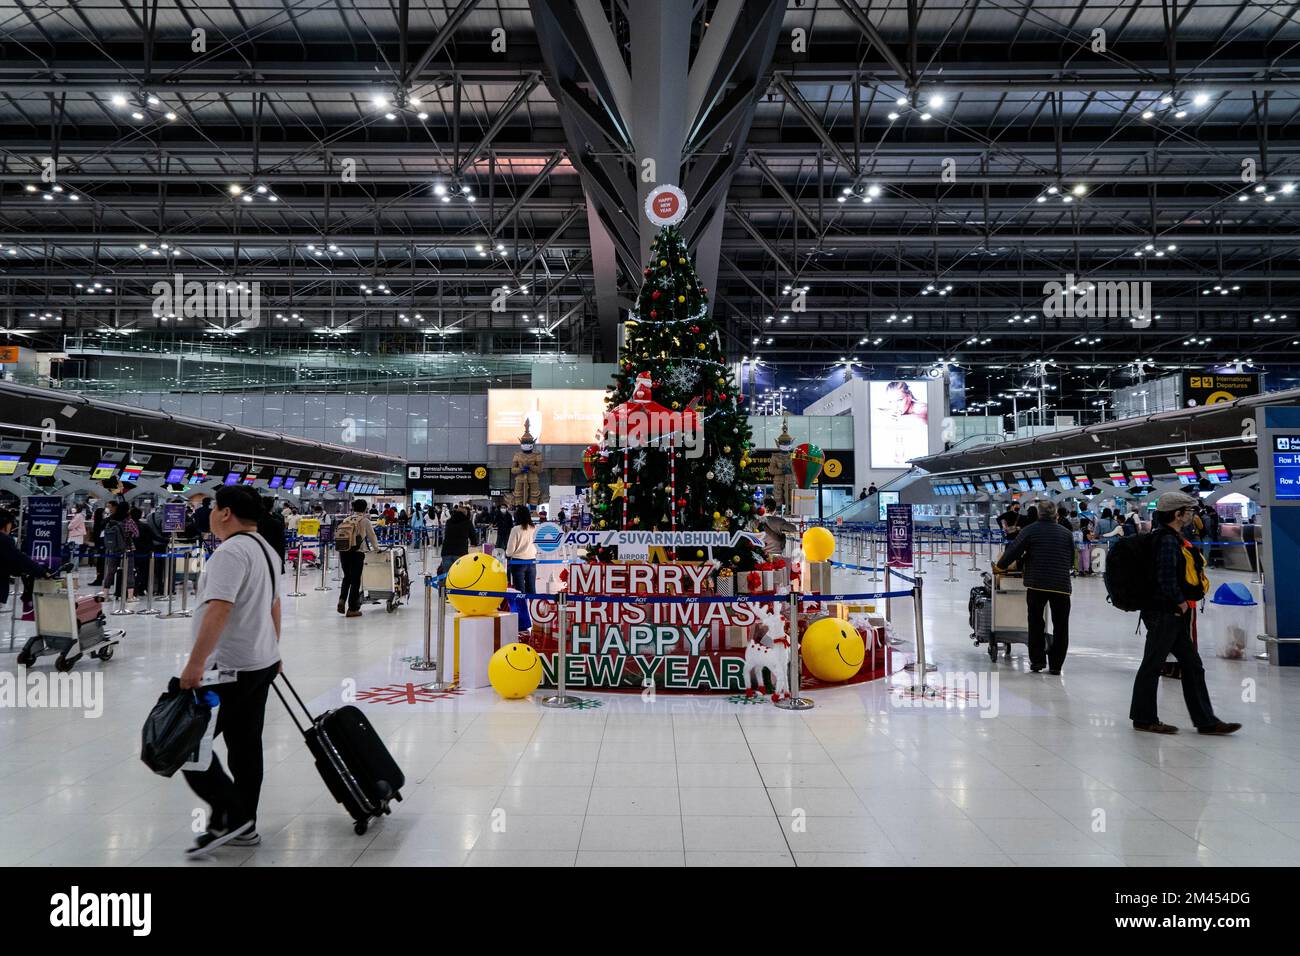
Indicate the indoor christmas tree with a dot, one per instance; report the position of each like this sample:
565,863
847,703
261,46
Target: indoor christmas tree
672,358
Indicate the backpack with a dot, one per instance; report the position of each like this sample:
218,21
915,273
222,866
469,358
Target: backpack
347,536
1130,572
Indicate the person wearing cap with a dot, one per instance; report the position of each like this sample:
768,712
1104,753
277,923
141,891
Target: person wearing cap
1180,582
1047,549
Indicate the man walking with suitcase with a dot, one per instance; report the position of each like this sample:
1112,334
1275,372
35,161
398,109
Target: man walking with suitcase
351,537
236,631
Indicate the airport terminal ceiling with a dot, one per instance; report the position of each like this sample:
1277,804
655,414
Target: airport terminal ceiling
383,171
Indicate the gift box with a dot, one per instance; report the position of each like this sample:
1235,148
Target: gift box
735,637
470,643
726,584
817,580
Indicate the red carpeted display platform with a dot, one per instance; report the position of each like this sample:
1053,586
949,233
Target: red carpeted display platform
633,625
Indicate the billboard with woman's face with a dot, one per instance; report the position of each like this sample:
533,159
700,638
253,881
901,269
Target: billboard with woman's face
899,423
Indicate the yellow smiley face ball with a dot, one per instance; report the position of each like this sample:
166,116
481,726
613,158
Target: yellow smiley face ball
476,572
515,671
818,544
832,649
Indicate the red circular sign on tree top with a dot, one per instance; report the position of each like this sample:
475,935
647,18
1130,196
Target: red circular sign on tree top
665,205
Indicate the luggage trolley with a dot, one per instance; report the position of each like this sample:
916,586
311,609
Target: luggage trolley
67,625
385,579
999,614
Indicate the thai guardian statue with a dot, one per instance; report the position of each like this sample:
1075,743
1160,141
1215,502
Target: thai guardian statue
781,471
526,467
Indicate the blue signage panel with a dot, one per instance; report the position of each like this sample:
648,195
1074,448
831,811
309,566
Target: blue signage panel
898,522
43,534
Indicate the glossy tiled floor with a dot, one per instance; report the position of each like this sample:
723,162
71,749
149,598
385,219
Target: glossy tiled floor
1041,770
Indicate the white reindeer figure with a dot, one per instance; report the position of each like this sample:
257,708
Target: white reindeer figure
776,657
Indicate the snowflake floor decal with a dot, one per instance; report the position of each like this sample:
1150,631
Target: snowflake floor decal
407,693
742,699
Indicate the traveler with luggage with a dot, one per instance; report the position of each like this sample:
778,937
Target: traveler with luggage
521,552
457,538
352,536
1167,582
236,627
1047,549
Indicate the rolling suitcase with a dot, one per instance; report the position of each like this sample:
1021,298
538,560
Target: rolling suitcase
351,759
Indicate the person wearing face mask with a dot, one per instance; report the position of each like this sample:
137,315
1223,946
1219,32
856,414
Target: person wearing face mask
1179,582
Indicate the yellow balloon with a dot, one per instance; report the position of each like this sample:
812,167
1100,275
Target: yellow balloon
476,572
515,671
818,544
832,649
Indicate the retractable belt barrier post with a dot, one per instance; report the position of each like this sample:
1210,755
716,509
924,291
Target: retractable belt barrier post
920,667
794,701
974,563
561,698
13,611
123,565
148,592
324,561
297,572
428,663
185,557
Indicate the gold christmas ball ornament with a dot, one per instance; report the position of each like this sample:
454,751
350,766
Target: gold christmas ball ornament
663,262
726,449
701,346
681,260
681,298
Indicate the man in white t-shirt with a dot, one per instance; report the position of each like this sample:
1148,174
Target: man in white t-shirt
236,629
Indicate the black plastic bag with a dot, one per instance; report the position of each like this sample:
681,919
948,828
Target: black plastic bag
173,730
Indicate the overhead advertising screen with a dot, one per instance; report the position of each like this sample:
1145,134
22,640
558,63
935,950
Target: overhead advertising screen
175,476
105,469
8,464
1083,481
232,478
555,416
1117,478
131,473
899,423
1218,474
1186,474
276,481
1140,477
43,468
290,482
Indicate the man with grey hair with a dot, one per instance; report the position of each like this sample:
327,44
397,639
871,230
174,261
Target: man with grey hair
1047,550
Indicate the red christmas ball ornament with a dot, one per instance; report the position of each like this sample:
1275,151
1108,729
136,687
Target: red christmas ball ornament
654,294
762,510
654,314
681,502
723,396
695,330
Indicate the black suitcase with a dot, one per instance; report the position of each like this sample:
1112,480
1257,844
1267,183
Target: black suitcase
351,759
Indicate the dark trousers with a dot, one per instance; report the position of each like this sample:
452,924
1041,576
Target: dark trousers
1170,633
239,721
523,576
351,563
1039,654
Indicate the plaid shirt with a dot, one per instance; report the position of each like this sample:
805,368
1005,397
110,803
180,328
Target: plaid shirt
1170,565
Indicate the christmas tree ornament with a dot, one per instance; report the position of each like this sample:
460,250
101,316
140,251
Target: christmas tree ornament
681,298
591,457
807,460
681,260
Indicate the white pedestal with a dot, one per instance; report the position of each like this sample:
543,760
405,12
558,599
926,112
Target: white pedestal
479,639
